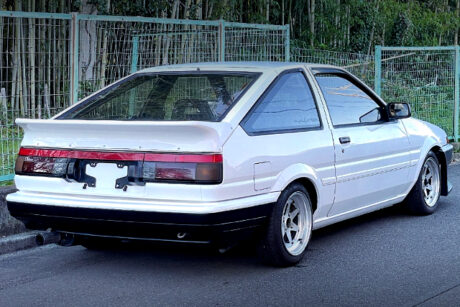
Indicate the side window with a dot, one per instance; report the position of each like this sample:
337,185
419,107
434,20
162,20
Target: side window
347,104
289,105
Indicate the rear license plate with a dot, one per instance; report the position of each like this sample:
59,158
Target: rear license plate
106,174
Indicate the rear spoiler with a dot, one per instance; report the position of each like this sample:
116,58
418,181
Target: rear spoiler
177,136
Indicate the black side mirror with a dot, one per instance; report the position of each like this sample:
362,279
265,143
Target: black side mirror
398,110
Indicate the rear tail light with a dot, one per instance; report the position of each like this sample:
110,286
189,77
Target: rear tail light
183,168
55,167
192,172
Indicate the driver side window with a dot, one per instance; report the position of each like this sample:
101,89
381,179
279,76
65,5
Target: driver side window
347,103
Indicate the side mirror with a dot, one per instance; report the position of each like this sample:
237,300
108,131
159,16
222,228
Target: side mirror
398,110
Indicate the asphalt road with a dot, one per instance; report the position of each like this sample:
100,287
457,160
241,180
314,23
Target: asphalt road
386,258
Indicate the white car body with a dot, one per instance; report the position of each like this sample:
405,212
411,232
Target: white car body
377,169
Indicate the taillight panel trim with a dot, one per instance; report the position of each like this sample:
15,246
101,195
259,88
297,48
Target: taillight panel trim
73,155
120,155
80,154
187,158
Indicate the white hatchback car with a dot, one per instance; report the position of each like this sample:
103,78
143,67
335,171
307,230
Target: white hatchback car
203,152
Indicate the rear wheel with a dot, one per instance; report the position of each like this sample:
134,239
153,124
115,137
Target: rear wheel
424,196
289,228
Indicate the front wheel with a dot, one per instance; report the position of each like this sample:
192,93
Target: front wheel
424,196
289,228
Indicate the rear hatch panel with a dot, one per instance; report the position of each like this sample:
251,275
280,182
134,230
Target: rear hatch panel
107,155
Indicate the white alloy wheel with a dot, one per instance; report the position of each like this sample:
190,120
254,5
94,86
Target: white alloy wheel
431,181
424,197
289,228
296,223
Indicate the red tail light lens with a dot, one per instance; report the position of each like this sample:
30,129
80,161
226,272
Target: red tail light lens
56,167
183,168
191,172
175,171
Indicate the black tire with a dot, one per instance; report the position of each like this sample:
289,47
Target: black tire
415,201
271,248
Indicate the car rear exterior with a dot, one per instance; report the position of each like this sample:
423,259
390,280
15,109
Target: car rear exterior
206,153
142,158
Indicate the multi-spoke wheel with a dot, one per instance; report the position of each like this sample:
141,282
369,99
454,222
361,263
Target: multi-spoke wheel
430,181
295,226
289,228
424,196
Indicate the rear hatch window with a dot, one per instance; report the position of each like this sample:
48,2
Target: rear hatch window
187,96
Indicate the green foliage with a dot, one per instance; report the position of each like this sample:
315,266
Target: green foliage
343,25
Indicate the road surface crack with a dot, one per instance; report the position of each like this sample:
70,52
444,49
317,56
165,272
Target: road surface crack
434,296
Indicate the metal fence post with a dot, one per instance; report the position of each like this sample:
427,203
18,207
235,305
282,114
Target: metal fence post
378,70
287,43
135,55
221,40
457,92
74,42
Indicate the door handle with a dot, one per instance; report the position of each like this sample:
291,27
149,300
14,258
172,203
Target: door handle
344,140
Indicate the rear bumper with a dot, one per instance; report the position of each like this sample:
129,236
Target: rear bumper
117,200
198,228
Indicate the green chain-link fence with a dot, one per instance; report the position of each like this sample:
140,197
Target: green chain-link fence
48,61
425,77
361,65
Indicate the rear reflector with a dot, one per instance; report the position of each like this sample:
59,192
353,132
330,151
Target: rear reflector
193,168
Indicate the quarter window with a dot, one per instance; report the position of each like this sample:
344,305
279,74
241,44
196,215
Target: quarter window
347,103
288,105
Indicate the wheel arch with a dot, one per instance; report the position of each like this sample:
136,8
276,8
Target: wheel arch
311,189
306,176
436,149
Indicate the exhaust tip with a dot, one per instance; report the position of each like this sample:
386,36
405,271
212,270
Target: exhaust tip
39,239
48,237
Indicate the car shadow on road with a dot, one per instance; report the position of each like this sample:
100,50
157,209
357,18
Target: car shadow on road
245,253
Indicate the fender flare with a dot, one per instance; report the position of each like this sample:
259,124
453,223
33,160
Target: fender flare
431,144
295,172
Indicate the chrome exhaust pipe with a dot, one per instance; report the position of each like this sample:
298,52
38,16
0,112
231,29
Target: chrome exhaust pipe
47,237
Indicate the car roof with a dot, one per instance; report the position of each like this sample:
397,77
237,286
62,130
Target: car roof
246,66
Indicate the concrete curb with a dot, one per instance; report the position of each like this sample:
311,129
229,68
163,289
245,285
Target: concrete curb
456,157
8,224
18,242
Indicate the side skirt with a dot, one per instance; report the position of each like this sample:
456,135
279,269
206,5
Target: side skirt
326,221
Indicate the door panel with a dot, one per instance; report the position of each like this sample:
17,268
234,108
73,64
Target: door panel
372,167
372,156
